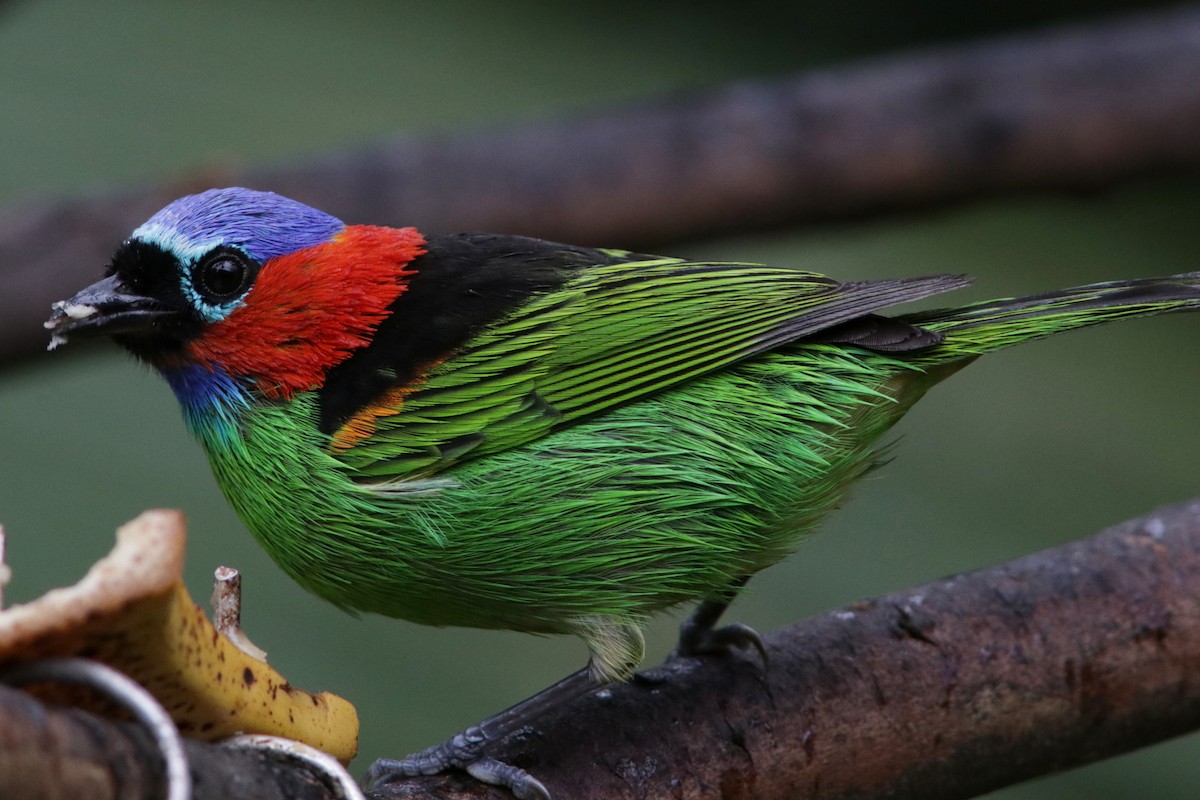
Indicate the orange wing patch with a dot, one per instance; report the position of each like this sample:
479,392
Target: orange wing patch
363,423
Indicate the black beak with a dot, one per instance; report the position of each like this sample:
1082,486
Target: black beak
107,306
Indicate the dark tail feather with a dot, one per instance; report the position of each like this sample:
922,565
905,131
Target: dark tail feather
994,324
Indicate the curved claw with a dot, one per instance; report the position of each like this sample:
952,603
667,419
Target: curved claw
517,780
386,770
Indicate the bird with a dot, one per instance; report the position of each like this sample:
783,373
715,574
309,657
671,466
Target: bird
496,431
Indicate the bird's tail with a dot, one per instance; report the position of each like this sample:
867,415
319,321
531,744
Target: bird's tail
984,327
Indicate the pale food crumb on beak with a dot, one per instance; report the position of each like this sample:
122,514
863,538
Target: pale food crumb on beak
65,309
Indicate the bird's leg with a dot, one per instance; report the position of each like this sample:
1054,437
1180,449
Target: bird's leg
616,648
465,750
698,635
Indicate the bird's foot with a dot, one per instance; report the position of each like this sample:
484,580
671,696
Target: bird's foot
462,751
699,640
465,750
700,636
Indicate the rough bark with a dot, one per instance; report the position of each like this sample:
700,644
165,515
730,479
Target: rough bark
1074,107
944,691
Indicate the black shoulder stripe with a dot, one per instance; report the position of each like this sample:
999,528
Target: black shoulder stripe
463,283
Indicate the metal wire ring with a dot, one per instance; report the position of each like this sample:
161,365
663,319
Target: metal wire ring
327,765
125,691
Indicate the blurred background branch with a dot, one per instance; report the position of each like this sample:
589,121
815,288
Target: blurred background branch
1077,107
947,690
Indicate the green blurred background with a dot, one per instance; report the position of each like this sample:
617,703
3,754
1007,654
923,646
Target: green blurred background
1026,449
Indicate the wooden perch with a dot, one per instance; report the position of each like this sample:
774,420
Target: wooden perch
948,690
1079,106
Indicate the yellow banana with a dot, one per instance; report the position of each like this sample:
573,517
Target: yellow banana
132,612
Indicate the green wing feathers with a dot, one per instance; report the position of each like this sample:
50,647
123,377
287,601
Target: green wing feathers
618,333
612,335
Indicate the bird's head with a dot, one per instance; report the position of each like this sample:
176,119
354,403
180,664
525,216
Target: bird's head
253,287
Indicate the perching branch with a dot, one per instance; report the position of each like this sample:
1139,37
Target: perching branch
946,691
1078,106
57,753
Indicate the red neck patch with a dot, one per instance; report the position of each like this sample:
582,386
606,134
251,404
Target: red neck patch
311,309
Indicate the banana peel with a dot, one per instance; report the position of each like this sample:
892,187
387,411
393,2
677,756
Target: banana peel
132,612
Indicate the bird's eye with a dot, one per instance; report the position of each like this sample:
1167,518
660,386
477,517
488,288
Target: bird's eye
223,275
